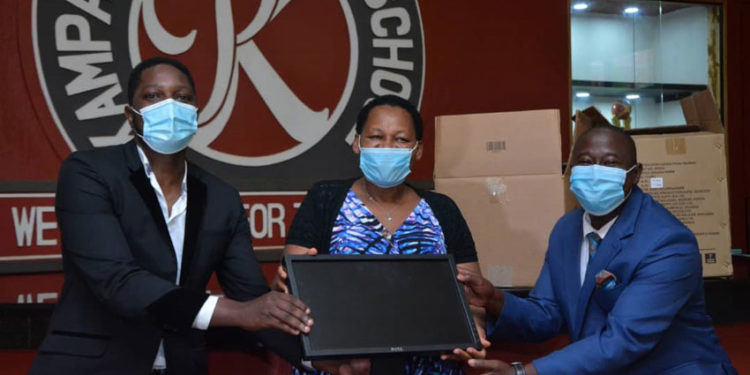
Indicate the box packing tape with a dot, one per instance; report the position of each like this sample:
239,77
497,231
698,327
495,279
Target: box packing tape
676,146
497,190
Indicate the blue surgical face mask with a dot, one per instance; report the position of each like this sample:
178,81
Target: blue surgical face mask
168,126
385,167
599,189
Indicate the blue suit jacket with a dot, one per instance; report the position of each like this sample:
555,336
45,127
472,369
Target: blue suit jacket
653,321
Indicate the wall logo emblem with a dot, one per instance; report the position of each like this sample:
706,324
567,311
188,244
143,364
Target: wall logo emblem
279,82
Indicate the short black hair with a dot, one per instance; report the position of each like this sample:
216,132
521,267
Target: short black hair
393,101
135,75
630,143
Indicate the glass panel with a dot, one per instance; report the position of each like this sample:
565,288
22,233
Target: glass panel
634,60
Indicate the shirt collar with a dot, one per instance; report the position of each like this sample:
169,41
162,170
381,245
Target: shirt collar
150,172
587,228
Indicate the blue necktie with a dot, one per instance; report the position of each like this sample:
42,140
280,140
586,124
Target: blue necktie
594,240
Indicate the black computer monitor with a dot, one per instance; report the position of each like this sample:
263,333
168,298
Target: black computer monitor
371,305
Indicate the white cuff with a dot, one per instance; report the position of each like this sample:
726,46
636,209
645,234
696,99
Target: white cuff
308,366
203,318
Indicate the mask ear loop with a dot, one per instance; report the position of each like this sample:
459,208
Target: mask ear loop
137,112
415,146
626,177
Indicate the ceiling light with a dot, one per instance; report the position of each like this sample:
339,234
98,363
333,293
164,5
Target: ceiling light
580,6
582,94
631,10
632,96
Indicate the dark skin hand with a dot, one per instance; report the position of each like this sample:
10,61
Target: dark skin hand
279,281
480,292
271,310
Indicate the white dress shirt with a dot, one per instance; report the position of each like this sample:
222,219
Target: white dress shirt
175,221
587,228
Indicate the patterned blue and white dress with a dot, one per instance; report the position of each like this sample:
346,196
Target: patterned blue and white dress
356,231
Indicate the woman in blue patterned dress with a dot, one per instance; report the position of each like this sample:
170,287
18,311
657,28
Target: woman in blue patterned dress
380,214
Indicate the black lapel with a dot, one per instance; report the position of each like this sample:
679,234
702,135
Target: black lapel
143,186
196,205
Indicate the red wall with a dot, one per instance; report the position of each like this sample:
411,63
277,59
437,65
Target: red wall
738,111
485,57
26,151
495,56
480,56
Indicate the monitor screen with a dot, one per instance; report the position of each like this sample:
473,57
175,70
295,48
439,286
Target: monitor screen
369,305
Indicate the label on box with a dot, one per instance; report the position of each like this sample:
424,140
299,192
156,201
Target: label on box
684,203
693,189
657,182
687,200
495,146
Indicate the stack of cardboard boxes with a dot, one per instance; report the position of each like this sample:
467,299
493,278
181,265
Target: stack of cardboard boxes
504,172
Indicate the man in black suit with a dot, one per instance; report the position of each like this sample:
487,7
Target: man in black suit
142,232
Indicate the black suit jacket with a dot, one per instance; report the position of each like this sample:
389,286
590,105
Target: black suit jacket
119,298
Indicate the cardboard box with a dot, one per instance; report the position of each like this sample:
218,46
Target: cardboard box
686,172
498,144
504,172
510,218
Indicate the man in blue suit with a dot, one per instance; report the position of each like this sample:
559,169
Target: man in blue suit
622,274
